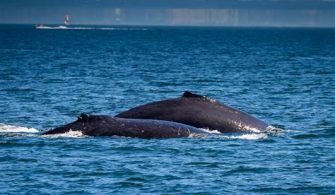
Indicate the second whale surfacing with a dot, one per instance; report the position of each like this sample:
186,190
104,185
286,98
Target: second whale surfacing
101,125
198,111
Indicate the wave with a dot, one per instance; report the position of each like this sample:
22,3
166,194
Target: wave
87,28
4,128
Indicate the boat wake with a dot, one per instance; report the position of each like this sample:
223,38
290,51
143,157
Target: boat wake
87,28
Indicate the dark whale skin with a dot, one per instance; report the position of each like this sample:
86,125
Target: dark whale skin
198,111
101,125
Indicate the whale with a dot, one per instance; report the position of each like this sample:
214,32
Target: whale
103,125
198,111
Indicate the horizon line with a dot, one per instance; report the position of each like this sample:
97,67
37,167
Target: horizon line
179,25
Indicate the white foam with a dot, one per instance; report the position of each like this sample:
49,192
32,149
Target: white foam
69,134
16,129
291,131
211,131
248,128
218,134
254,136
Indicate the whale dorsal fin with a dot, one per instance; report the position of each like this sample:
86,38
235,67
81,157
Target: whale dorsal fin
83,117
188,94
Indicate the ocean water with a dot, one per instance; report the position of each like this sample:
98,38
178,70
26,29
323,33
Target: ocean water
284,76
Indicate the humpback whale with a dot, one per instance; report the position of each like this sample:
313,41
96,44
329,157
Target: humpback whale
101,125
198,111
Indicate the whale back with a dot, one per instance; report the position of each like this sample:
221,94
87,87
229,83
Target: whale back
102,125
198,111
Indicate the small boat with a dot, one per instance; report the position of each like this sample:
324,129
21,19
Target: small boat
39,25
65,26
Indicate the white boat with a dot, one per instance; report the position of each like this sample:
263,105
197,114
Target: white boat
65,26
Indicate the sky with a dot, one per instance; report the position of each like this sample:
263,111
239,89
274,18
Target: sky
310,13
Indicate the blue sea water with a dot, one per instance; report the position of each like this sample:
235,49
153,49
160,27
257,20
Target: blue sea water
284,76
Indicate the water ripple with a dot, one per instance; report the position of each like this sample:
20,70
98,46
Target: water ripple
282,76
